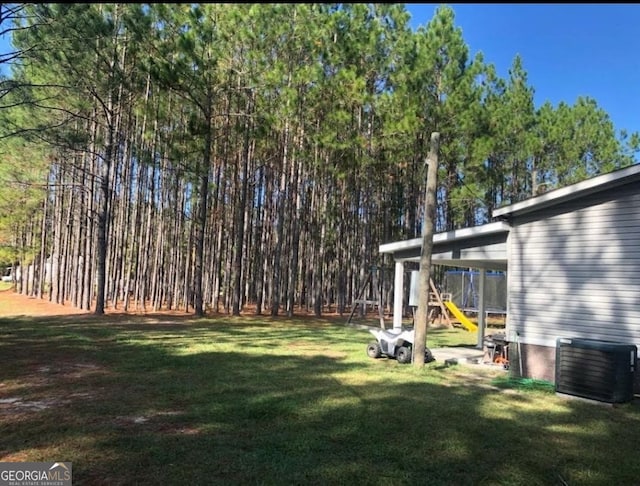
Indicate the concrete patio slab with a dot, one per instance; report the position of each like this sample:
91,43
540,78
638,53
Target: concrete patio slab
459,355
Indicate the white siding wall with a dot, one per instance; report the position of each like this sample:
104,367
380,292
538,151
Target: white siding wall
574,271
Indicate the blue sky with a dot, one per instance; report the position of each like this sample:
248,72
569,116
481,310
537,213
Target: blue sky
567,50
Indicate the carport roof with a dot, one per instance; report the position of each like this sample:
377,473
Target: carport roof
478,247
485,246
596,184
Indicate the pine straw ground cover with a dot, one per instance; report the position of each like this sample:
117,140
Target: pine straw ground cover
136,400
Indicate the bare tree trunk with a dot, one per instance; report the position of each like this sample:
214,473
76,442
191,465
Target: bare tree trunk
112,124
239,222
66,243
44,267
260,239
318,270
118,234
276,276
425,254
103,219
89,248
295,239
201,219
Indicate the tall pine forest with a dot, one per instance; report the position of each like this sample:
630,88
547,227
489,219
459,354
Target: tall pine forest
251,158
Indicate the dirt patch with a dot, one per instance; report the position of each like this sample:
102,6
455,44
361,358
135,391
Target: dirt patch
46,386
18,305
15,305
29,405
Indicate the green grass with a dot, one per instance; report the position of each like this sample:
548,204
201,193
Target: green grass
5,286
276,401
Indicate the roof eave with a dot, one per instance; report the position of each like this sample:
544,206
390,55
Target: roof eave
590,186
455,235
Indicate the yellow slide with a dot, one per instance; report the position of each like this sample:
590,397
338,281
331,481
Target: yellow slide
460,316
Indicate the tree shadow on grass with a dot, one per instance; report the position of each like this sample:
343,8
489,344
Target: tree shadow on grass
203,404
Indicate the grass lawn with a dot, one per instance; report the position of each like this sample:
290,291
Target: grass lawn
263,401
5,286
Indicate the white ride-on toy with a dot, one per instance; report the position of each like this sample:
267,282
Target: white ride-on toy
395,343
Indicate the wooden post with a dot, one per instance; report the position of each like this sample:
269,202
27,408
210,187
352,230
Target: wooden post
443,309
422,314
358,300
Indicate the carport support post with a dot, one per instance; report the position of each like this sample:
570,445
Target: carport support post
481,308
398,294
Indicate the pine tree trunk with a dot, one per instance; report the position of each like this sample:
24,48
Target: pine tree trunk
279,234
103,221
201,219
239,222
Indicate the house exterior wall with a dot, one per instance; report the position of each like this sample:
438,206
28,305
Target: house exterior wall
574,271
538,362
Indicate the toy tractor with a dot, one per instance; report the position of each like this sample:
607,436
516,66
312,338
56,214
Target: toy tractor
395,343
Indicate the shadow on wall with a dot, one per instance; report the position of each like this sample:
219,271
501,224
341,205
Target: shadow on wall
574,273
